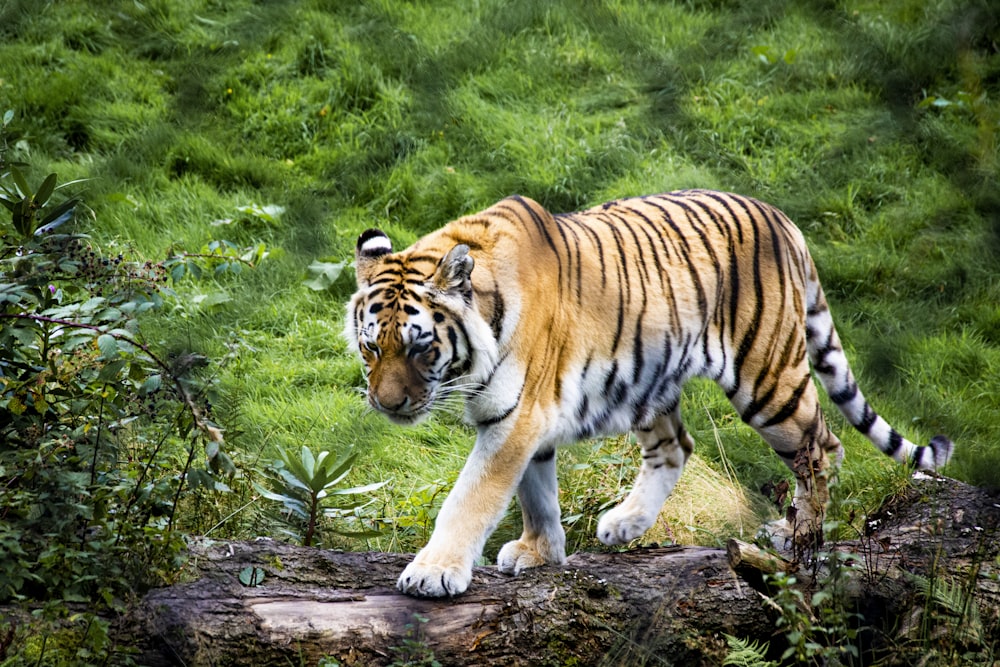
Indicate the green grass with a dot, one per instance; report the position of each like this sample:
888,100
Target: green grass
405,115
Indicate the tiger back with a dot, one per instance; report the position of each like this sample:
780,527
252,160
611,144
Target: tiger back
561,327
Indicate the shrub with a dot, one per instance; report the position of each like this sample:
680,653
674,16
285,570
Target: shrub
99,434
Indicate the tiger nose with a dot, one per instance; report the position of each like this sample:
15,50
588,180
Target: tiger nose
388,407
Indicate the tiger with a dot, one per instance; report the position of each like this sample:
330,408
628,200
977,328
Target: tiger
556,328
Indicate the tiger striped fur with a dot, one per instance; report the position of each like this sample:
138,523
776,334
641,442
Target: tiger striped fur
562,327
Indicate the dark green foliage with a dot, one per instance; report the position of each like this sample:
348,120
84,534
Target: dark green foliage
99,435
74,384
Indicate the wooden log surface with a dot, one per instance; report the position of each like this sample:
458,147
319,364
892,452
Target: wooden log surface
675,603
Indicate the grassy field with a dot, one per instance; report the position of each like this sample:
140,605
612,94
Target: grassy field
298,124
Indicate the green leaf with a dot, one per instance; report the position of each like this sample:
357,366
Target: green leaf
108,346
212,299
820,597
271,495
254,255
178,271
198,477
57,216
25,335
251,576
764,53
367,488
21,217
8,116
343,507
21,182
45,190
308,464
324,275
290,465
269,213
358,534
223,464
342,471
295,481
111,371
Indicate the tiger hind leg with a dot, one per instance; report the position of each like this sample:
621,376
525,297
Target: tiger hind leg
813,453
666,447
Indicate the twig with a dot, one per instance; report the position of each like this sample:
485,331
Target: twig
214,433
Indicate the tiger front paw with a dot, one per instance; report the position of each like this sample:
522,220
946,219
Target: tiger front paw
431,580
621,525
520,555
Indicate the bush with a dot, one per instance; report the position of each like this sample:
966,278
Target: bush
99,434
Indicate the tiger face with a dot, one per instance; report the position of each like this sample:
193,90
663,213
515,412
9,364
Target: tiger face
407,322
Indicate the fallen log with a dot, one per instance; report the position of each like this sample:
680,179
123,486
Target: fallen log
268,603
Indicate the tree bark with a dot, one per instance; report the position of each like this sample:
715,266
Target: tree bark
674,604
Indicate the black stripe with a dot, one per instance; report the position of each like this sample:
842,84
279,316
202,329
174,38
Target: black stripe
499,311
750,335
544,456
757,404
820,364
598,245
503,415
569,256
685,248
867,420
895,442
791,405
845,395
367,236
492,373
723,201
654,252
609,381
564,221
539,223
623,282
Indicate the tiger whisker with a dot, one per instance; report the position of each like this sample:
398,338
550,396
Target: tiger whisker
463,392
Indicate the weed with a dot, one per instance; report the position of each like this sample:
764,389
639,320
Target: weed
744,653
414,651
307,486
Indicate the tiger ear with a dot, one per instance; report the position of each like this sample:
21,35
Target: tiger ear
373,244
454,272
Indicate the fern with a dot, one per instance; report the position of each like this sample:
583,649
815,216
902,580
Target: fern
745,653
955,603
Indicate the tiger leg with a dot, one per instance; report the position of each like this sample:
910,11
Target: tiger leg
543,539
811,450
472,510
666,447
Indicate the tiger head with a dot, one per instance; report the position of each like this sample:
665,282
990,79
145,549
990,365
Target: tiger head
409,320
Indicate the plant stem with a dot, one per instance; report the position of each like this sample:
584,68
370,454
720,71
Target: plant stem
199,422
311,527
